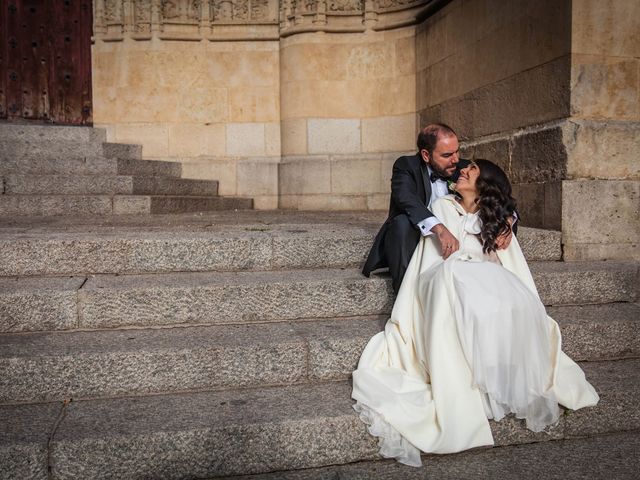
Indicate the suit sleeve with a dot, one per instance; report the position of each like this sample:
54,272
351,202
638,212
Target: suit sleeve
404,191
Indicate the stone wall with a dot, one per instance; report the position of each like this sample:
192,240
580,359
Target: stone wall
195,85
295,104
499,73
548,90
347,102
601,193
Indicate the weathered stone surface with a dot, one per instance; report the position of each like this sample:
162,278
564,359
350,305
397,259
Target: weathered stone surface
261,430
210,434
498,151
586,282
55,366
177,298
538,156
530,198
128,166
599,332
52,165
268,296
26,150
343,243
610,456
50,133
122,150
67,184
38,303
475,113
602,149
333,136
173,186
618,384
601,219
24,432
540,245
605,87
47,205
181,204
334,347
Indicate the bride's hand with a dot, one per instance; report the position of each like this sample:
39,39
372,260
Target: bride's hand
504,240
448,243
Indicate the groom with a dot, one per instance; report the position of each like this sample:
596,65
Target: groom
417,181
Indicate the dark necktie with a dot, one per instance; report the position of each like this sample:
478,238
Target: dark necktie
436,176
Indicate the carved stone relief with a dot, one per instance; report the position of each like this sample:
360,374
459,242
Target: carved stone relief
385,4
208,17
113,11
344,5
180,10
259,9
238,10
142,16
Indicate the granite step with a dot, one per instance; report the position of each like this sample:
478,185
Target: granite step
41,367
52,165
18,184
605,457
112,301
83,205
248,246
50,133
25,150
245,431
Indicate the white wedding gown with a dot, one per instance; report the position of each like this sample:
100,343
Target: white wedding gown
468,340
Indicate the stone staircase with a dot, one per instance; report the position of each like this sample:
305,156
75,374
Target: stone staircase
221,344
51,171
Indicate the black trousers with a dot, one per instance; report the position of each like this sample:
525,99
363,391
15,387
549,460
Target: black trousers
400,241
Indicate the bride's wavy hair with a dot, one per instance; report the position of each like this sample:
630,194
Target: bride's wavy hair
495,203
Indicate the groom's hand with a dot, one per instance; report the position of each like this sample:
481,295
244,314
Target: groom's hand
448,243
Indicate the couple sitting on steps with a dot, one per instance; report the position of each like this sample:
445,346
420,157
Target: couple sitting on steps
468,339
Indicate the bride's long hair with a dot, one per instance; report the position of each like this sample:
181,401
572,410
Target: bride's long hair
495,203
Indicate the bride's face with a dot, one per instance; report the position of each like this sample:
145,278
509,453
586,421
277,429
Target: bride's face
467,181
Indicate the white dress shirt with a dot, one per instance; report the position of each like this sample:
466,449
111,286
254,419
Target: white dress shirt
439,188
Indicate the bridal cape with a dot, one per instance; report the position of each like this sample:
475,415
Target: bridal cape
468,340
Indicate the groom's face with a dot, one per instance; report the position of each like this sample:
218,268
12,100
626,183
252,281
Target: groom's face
445,155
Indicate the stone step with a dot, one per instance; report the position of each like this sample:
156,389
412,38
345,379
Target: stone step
157,168
27,150
82,205
612,456
112,301
221,248
18,184
43,367
245,431
51,165
50,133
21,151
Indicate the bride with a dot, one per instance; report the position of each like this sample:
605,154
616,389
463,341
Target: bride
468,339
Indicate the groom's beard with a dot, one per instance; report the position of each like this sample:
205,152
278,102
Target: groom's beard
442,173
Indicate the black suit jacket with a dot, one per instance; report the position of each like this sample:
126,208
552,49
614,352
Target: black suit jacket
410,194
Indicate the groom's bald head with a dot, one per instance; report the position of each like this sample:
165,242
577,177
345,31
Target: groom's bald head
429,136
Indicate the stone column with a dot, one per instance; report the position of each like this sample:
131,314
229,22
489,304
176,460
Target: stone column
601,192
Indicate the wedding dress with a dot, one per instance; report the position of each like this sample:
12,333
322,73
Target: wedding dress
468,340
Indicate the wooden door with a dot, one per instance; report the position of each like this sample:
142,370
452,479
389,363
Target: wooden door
45,60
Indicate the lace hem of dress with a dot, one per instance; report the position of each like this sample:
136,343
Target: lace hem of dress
392,444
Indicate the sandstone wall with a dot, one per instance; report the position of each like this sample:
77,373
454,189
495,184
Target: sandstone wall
348,108
296,104
212,105
499,73
601,193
